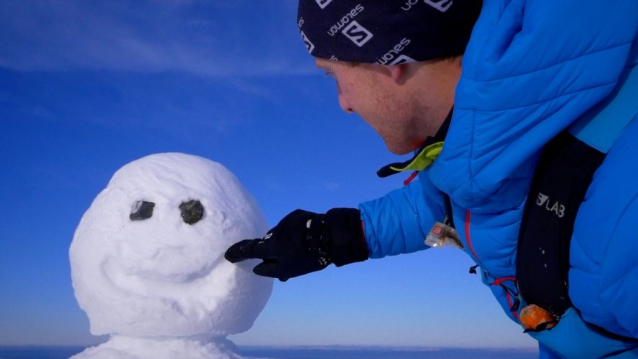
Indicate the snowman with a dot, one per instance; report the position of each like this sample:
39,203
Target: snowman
147,261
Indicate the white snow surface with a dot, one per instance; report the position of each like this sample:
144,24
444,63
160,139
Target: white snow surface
119,347
160,285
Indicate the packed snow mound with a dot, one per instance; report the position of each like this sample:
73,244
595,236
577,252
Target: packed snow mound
165,348
147,259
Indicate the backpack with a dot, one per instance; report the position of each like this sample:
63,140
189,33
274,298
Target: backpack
563,175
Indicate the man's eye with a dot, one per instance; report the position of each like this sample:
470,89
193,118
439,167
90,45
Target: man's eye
330,74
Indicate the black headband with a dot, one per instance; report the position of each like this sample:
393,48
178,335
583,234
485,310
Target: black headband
386,32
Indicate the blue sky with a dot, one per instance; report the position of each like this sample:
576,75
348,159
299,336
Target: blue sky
88,86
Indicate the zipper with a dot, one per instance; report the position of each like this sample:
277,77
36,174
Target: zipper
469,238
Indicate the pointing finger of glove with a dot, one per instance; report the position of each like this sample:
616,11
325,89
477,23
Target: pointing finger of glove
268,269
246,249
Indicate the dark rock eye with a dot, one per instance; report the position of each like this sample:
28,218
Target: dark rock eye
141,210
192,211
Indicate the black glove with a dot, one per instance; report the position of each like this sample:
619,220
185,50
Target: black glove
305,242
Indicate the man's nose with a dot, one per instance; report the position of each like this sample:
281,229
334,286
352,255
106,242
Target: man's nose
343,103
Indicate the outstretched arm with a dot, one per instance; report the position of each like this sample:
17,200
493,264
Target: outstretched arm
305,242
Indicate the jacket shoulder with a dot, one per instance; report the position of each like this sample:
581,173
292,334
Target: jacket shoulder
603,278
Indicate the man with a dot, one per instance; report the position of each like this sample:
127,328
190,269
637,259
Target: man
538,173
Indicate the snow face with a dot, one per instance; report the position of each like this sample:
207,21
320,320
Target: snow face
140,270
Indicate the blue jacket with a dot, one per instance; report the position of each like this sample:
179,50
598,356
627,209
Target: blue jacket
532,69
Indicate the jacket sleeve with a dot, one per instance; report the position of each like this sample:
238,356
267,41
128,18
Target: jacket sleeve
399,221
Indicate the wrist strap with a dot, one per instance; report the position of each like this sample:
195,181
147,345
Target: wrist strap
343,229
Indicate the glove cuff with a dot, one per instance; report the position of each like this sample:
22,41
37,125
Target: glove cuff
345,233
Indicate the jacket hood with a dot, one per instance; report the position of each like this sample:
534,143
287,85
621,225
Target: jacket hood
531,69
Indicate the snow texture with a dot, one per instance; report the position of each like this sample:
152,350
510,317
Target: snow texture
160,286
119,347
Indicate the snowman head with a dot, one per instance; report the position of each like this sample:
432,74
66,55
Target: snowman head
148,256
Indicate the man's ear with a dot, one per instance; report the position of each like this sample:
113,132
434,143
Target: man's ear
397,72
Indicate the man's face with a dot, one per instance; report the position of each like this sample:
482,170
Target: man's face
403,107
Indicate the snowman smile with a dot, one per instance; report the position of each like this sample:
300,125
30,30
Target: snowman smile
116,271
